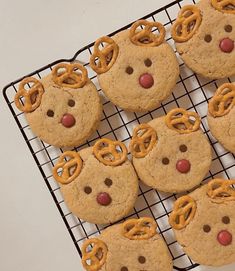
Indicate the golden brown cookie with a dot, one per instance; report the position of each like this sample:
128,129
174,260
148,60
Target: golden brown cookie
204,223
137,69
113,251
63,109
99,184
204,35
171,153
221,116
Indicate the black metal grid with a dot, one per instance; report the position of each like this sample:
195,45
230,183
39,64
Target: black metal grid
192,92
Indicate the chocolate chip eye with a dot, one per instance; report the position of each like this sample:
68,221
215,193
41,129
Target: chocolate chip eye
228,28
87,190
183,148
141,259
165,161
208,38
50,113
129,70
124,268
108,182
148,62
71,103
226,220
206,228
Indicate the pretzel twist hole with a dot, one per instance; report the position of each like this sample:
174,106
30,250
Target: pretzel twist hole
93,259
68,167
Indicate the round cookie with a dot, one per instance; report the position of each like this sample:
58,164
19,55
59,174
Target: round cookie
204,223
99,184
132,246
137,70
63,109
221,116
171,153
204,35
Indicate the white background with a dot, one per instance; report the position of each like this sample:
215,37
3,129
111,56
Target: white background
32,34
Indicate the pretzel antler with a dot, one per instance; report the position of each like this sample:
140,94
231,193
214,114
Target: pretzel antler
106,57
145,36
178,119
187,23
223,100
32,97
183,212
143,140
226,6
94,259
69,75
70,168
221,190
139,229
105,150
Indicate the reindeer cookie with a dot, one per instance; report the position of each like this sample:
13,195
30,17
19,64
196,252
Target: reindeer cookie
221,116
99,184
204,35
63,108
132,246
171,153
137,69
204,223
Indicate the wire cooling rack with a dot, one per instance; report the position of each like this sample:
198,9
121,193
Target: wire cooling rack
191,92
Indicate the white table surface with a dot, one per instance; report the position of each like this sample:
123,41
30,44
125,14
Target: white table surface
33,33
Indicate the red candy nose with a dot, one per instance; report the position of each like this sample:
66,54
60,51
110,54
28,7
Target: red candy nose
68,120
103,198
183,166
224,238
146,80
226,45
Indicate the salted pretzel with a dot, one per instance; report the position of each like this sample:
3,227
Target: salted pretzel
32,97
69,75
226,6
145,36
223,100
139,229
105,150
94,259
106,57
143,139
221,190
187,23
183,212
178,119
70,168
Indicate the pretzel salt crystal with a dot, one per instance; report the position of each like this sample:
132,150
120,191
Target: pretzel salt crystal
146,37
188,21
32,97
223,100
70,168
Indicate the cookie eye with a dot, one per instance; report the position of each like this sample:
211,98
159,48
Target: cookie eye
226,220
71,103
208,38
87,190
108,182
148,62
124,268
206,228
141,259
50,113
183,148
165,161
228,28
129,70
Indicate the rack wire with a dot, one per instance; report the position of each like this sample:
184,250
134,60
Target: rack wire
191,92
